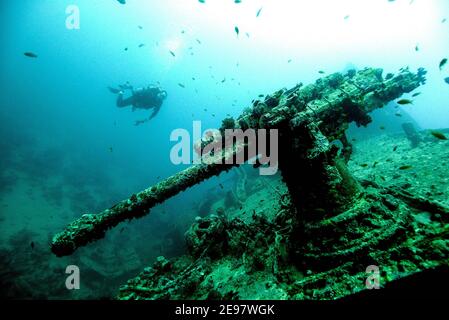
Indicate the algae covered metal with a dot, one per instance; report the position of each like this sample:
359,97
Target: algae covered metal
329,226
331,104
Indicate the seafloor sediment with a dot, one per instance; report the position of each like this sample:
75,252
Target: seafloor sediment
255,250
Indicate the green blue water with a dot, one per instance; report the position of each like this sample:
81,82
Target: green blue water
66,149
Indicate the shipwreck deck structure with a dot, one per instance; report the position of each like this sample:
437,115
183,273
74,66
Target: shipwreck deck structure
331,227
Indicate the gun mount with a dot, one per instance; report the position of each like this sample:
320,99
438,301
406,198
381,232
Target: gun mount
322,111
324,197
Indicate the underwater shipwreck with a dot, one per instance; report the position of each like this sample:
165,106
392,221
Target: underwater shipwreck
327,226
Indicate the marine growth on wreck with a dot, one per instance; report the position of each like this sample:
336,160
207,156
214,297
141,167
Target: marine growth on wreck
348,112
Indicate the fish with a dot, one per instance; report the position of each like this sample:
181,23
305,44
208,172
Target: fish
126,49
198,40
247,34
261,95
382,128
202,1
375,164
32,245
30,54
438,135
346,17
181,85
289,60
122,1
237,1
223,81
364,165
416,48
404,101
444,20
237,30
258,12
141,45
110,149
321,72
121,230
395,148
398,114
443,63
446,80
406,167
221,186
140,27
416,94
172,53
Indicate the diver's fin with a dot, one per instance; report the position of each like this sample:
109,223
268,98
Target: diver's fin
113,90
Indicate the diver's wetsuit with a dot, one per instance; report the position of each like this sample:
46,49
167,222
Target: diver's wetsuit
143,98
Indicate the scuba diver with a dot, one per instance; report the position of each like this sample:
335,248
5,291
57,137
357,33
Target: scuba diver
147,98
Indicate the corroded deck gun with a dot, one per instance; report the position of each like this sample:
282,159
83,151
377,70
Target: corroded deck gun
309,119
